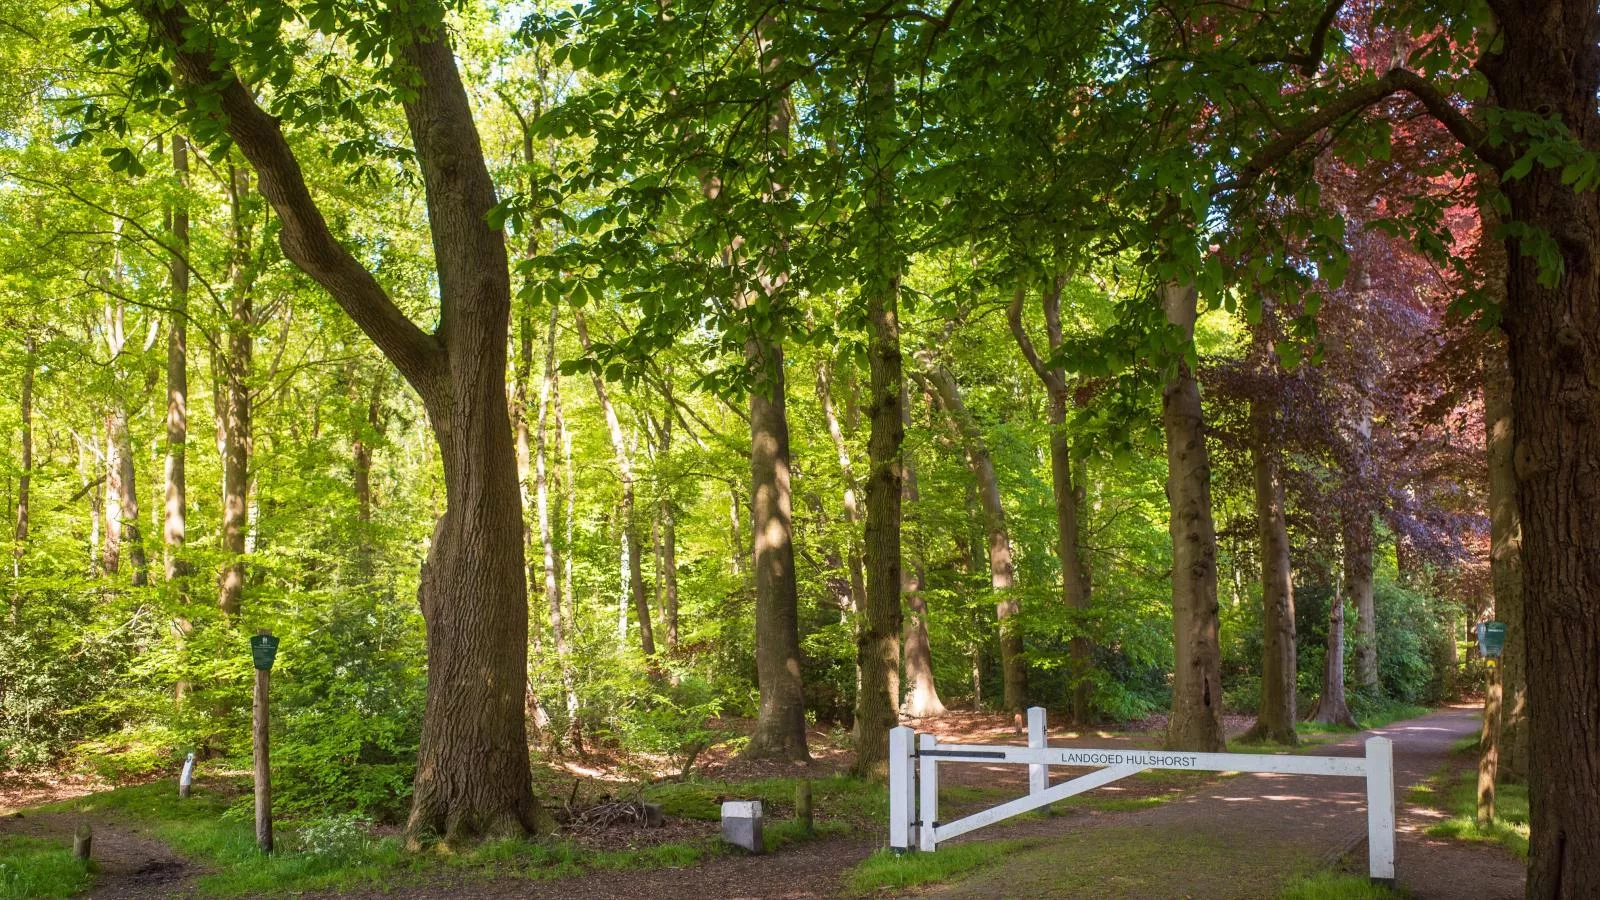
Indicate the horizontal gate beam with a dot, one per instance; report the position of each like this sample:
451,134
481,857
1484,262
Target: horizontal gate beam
1352,766
1033,801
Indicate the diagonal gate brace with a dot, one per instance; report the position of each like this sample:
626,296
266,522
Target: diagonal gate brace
1046,797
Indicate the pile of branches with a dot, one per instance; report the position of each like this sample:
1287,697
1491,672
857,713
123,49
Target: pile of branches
607,813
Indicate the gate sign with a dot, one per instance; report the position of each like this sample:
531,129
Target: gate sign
1491,639
263,650
914,762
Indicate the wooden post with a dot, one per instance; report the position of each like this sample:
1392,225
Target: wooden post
82,840
186,778
1038,738
802,804
902,789
1380,810
261,742
1489,745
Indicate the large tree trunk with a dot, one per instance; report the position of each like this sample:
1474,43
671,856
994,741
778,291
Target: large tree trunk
879,619
236,425
473,777
1196,722
632,549
1002,573
19,534
781,721
174,524
1505,563
922,694
1548,66
780,729
1068,497
1275,716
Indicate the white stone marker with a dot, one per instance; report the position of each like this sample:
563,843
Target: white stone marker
741,824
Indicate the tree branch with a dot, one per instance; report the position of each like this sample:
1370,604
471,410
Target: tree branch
304,235
1355,100
1052,380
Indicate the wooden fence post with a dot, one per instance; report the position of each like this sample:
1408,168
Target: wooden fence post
263,649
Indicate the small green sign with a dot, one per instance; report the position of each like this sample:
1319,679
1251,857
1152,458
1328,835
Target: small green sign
1491,639
263,650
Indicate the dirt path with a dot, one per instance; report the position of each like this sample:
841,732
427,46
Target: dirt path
1244,836
131,864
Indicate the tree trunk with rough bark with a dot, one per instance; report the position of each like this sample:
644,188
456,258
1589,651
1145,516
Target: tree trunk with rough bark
473,778
780,730
1068,497
1002,573
236,425
1505,563
1196,722
922,694
1331,707
1545,64
175,509
879,617
1275,715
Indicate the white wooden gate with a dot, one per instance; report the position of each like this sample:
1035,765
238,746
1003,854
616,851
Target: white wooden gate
914,807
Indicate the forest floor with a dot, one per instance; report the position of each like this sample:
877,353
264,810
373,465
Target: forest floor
1158,834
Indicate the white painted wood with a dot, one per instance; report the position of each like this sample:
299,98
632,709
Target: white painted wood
1038,738
914,797
1353,766
1033,801
929,805
186,777
1380,809
902,802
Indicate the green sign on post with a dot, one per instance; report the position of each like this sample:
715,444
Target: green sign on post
263,650
1491,639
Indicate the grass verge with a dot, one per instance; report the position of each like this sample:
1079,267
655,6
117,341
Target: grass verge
887,870
343,854
34,867
1457,796
1335,886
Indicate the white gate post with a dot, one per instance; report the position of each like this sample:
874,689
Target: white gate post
902,788
929,806
1380,810
1038,773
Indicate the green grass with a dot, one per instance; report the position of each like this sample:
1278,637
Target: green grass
311,857
1458,797
202,828
886,869
837,796
33,867
1335,886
